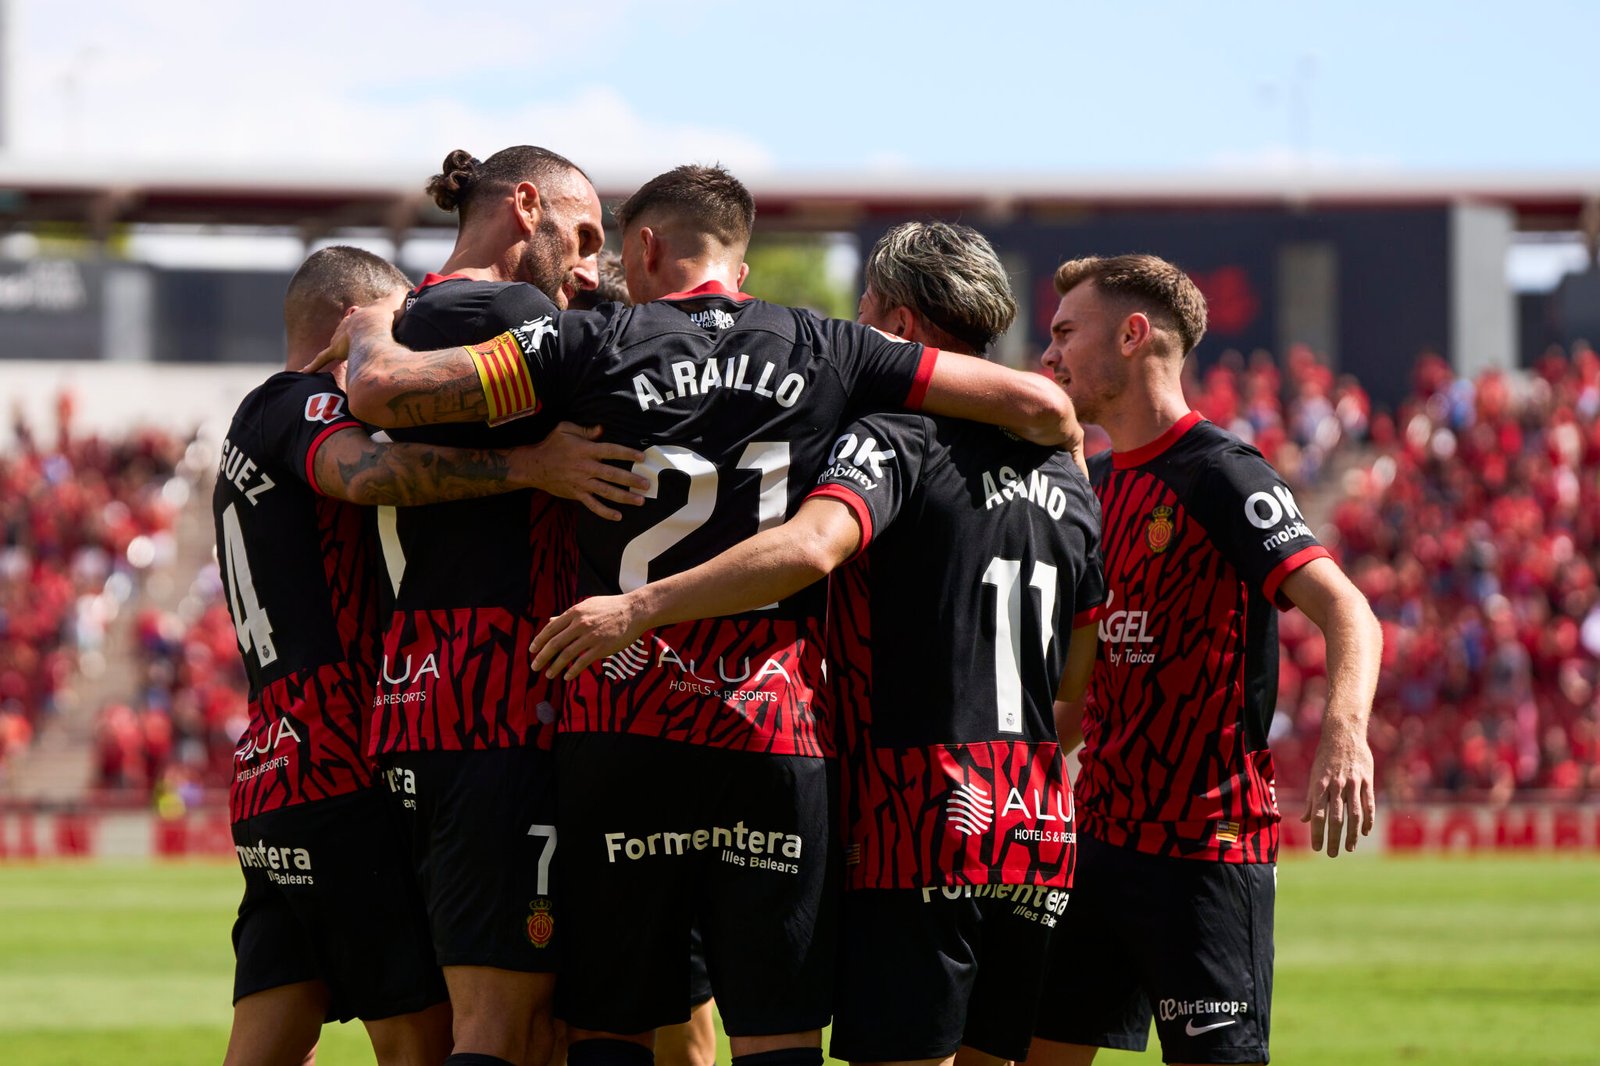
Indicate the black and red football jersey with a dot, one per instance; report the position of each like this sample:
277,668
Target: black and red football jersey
735,403
473,579
1200,533
301,576
947,640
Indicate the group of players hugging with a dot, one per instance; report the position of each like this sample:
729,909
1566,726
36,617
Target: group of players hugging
617,645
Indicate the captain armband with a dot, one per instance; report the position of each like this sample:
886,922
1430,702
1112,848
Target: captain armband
503,373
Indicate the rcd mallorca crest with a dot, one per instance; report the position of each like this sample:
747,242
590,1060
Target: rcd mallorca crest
541,923
1158,534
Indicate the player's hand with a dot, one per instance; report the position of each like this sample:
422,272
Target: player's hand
359,323
572,463
1340,799
595,628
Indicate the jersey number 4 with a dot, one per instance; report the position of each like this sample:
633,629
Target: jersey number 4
250,622
1005,575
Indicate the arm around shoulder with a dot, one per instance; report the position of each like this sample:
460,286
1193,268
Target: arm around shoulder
1029,405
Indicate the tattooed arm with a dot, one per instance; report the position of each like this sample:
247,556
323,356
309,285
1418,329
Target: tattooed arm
569,463
390,385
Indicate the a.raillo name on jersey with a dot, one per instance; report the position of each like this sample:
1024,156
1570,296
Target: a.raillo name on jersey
243,471
690,378
1269,510
1004,485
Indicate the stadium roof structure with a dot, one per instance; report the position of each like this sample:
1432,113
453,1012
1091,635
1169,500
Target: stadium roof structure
105,198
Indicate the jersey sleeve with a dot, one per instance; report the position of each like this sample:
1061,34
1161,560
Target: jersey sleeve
1089,599
879,370
873,469
536,362
299,413
1255,522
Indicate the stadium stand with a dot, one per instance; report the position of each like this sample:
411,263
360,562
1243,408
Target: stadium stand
1473,528
79,520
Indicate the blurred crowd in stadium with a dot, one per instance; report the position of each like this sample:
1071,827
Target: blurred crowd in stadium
1470,518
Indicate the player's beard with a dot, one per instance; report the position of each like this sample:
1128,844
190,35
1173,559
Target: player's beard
542,260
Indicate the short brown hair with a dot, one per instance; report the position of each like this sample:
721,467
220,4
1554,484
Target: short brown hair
1149,282
948,274
332,279
709,201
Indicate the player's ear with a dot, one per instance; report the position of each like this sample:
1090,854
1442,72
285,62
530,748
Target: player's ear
744,272
652,249
1135,332
525,200
903,322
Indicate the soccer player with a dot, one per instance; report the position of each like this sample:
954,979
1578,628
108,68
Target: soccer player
735,403
691,1043
463,728
977,583
331,925
1177,814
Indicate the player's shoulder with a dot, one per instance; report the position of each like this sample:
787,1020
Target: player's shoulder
455,304
290,393
1206,438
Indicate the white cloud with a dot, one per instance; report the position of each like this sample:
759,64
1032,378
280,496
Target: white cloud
308,87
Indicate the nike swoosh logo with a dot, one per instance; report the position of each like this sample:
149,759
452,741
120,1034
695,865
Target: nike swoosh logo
1195,1030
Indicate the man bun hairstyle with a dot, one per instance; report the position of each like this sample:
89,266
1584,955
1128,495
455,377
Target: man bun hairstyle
453,180
706,201
1146,282
463,181
948,274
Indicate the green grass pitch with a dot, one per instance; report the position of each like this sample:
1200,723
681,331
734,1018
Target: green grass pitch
1409,961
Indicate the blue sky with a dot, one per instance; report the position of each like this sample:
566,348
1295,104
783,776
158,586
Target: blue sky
825,86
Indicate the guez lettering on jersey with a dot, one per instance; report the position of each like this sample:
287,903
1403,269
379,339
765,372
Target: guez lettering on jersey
691,378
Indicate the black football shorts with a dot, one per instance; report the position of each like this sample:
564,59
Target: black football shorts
329,896
659,837
483,841
1186,941
924,971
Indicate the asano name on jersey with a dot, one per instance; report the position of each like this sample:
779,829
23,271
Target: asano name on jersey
947,641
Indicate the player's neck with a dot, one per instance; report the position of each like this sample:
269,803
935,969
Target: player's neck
689,273
299,356
481,259
1143,416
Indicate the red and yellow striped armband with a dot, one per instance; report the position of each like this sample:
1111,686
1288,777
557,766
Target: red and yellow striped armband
503,373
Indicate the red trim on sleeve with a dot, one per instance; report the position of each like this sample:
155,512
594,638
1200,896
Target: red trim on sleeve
430,279
1275,580
1093,614
919,384
311,453
857,505
1146,452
